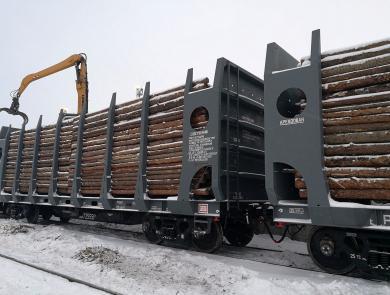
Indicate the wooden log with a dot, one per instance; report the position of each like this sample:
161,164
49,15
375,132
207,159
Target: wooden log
368,194
165,155
132,131
93,132
367,91
128,116
351,183
168,130
92,191
205,192
96,158
363,137
87,167
357,74
352,149
353,195
160,99
86,183
166,106
130,108
170,152
123,170
129,165
129,158
165,161
357,128
354,48
163,142
165,117
159,146
165,125
164,176
170,135
357,99
381,172
356,83
125,175
356,66
162,192
124,192
179,91
121,178
359,112
155,170
354,56
163,187
156,182
358,161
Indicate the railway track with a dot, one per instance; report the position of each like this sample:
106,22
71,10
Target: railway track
257,254
275,257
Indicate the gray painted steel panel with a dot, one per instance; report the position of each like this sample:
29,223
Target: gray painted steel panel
297,143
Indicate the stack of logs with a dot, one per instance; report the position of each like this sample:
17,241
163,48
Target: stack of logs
68,135
164,149
11,161
165,140
356,116
27,156
45,158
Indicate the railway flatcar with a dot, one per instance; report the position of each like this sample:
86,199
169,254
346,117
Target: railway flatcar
199,163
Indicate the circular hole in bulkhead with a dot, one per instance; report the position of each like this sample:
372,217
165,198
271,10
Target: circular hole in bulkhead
291,102
199,118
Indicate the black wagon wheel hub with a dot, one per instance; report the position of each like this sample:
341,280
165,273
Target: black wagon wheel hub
327,247
329,250
238,233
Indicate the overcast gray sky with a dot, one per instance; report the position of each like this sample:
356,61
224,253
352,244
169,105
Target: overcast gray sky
131,42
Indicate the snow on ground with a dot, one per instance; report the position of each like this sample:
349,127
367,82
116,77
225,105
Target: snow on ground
24,280
133,267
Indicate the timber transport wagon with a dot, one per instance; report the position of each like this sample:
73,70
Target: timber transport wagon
178,160
327,155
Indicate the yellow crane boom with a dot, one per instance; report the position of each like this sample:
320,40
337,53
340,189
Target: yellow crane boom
77,60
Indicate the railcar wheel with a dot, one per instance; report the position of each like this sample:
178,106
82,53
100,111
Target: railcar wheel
238,233
64,219
32,214
209,242
14,211
150,230
7,211
328,249
46,215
